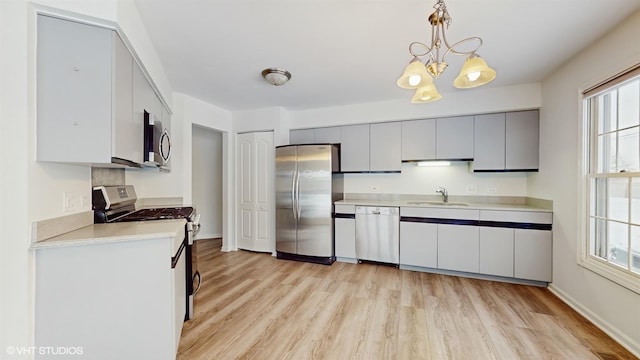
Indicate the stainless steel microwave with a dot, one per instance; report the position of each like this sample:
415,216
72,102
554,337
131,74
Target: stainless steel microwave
157,143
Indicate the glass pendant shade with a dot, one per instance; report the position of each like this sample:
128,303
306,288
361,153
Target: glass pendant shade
415,74
475,72
426,93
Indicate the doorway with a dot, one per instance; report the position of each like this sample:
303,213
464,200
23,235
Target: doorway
206,180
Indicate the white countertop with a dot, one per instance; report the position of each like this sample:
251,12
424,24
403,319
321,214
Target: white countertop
422,203
115,232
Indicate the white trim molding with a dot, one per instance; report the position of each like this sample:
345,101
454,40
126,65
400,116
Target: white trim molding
601,323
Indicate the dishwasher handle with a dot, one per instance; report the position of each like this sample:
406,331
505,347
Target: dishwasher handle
377,210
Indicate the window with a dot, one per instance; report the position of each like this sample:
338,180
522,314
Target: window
612,116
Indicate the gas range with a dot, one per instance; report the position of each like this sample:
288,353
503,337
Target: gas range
113,204
185,212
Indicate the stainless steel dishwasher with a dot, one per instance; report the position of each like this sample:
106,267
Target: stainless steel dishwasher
378,234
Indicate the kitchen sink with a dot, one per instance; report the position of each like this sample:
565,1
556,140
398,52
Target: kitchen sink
436,203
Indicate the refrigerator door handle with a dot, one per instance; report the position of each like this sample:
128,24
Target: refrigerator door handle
297,195
293,195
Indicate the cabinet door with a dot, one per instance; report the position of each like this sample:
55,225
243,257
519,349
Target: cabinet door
345,238
522,140
454,138
533,254
128,133
496,251
74,92
458,248
385,151
301,136
419,244
419,139
328,135
489,142
354,150
141,94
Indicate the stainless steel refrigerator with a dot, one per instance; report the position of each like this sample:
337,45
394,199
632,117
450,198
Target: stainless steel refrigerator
307,184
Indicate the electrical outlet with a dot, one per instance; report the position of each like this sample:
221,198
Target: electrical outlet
84,201
68,202
471,189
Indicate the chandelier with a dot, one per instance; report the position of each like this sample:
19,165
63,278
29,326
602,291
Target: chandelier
418,74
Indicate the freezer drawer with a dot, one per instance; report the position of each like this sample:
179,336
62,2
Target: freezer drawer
378,234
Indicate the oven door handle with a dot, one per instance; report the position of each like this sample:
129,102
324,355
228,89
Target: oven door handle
175,259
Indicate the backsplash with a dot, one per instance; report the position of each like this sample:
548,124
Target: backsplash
458,179
106,177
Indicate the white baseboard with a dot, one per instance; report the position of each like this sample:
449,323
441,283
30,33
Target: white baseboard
604,325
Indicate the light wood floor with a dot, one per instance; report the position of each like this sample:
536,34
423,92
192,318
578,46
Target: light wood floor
253,306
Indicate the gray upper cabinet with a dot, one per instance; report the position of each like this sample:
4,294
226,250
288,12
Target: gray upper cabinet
128,130
419,140
329,135
385,147
522,140
354,149
454,138
506,141
74,84
90,96
489,142
302,136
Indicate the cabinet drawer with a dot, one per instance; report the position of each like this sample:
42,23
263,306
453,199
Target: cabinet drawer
531,217
345,209
440,213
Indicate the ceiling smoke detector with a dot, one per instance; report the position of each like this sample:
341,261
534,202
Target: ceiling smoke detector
276,76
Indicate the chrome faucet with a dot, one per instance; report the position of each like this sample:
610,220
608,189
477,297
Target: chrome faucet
445,194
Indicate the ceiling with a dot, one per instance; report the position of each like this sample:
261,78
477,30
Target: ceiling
352,51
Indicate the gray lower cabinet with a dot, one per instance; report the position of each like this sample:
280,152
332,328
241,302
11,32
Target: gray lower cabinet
487,242
302,136
496,251
458,248
522,140
354,149
419,140
345,232
533,254
329,135
419,244
385,150
454,138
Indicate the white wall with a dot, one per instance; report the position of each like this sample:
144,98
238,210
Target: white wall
207,180
15,260
193,111
462,102
613,307
268,119
30,190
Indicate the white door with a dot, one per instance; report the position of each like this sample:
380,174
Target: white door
255,188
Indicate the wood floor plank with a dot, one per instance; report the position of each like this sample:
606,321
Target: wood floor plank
254,306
